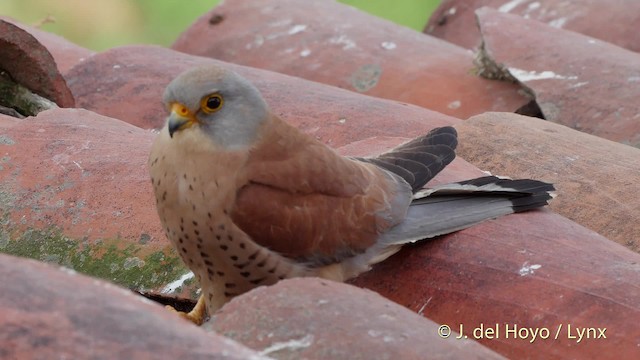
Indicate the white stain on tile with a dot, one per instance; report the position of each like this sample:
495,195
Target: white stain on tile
528,269
454,105
524,75
344,41
578,85
297,29
305,53
558,23
533,6
633,79
280,23
421,311
389,45
258,41
290,345
511,5
173,286
276,35
68,271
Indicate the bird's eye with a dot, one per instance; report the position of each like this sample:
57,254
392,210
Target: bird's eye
211,103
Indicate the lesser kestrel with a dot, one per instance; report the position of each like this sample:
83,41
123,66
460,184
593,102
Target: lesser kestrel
248,200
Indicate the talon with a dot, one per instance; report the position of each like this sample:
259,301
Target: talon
197,315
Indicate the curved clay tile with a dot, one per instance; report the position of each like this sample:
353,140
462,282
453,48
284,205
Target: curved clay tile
335,44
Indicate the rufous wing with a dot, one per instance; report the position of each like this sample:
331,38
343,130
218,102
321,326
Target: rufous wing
308,203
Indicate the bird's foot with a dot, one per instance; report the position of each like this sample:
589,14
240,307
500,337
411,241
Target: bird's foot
197,315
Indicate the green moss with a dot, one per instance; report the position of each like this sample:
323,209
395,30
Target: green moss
128,265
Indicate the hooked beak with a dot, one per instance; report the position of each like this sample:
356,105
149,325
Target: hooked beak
180,118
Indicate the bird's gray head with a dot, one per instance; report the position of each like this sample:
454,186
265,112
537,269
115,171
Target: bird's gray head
219,102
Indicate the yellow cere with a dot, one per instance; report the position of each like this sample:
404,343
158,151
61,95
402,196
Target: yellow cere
180,110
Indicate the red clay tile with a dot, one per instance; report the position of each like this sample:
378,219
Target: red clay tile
614,21
335,44
577,81
533,270
318,319
65,53
7,122
52,313
597,179
96,184
135,77
75,190
31,65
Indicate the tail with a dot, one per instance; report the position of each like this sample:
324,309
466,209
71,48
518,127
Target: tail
452,207
447,208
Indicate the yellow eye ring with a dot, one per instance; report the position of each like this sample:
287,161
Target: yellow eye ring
211,103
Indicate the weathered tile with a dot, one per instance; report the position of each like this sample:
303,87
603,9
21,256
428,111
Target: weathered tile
65,53
596,179
319,319
335,44
53,313
535,271
135,78
75,190
580,82
614,21
7,122
30,64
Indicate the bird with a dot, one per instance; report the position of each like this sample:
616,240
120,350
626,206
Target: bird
248,200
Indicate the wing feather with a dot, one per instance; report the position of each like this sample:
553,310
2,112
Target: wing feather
306,202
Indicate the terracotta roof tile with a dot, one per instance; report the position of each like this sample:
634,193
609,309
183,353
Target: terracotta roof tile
65,53
580,82
321,319
335,44
30,64
51,313
614,21
595,178
135,77
535,270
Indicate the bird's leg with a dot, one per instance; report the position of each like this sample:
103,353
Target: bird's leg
196,315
